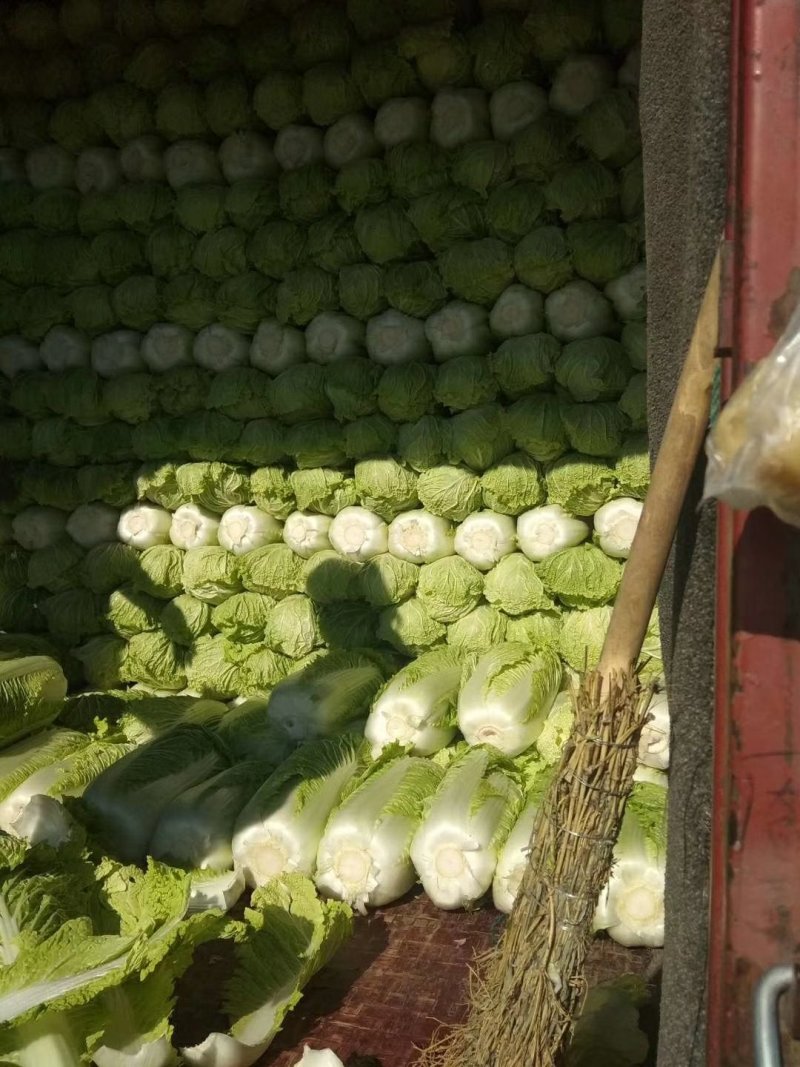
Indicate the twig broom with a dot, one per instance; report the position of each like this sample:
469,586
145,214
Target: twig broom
527,992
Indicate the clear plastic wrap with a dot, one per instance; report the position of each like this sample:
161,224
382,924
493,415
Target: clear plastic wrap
754,448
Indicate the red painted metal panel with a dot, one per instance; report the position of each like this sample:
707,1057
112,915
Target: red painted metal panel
755,896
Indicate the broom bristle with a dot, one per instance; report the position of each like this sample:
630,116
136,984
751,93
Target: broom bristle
526,993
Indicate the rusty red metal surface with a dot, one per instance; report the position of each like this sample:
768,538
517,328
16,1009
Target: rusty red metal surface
755,894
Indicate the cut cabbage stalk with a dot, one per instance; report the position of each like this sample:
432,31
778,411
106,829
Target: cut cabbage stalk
144,525
484,538
578,82
514,106
420,537
276,347
363,857
243,528
97,170
654,740
458,329
117,353
64,348
358,534
299,146
455,849
193,527
349,139
393,337
93,524
280,828
219,348
459,116
166,346
306,533
247,155
190,163
402,119
505,700
416,708
514,860
332,336
142,159
541,532
38,527
17,356
615,525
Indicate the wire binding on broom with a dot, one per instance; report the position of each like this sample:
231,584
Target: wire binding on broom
526,993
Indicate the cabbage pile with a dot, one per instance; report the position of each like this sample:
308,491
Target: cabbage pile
323,438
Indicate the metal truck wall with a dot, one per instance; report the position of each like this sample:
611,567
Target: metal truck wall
684,106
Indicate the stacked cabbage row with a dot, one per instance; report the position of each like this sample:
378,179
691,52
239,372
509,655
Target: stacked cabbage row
322,386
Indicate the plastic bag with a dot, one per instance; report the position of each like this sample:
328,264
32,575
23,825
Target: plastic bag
754,448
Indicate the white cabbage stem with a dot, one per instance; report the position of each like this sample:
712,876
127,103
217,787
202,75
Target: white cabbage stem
628,293
64,348
615,525
306,533
393,337
93,524
517,311
219,348
506,698
541,532
578,311
513,861
514,106
358,534
50,167
459,116
215,890
246,155
38,527
318,1058
458,329
166,346
631,907
332,336
43,821
405,118
578,82
279,830
349,139
144,525
158,1053
193,527
243,528
420,537
18,356
363,857
276,347
190,163
298,146
142,159
654,741
455,850
484,538
416,707
117,353
97,170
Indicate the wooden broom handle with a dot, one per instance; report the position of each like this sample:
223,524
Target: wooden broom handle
680,446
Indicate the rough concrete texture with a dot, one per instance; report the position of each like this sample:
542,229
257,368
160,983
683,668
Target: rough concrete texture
684,105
